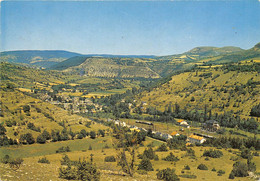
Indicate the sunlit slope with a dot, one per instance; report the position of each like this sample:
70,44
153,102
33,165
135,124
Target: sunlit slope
42,114
218,88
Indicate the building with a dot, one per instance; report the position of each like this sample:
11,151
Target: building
174,133
211,125
196,139
166,136
183,123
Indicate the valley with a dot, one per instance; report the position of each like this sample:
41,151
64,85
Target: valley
190,116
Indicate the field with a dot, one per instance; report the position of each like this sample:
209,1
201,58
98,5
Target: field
32,170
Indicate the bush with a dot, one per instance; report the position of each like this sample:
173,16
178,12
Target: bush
186,167
92,134
141,172
167,175
27,138
188,176
213,153
145,164
6,159
63,149
213,169
202,167
81,171
148,153
221,172
110,159
163,147
231,175
240,169
41,139
43,160
171,157
15,163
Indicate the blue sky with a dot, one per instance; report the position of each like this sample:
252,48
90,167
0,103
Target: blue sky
128,27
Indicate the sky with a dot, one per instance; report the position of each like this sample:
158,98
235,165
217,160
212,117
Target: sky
128,27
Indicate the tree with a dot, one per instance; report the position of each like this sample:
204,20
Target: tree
162,147
126,143
46,135
27,138
145,164
41,139
240,169
83,132
202,167
171,158
167,175
92,134
26,108
213,153
2,130
255,111
101,132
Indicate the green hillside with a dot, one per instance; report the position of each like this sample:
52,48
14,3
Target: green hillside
40,58
224,88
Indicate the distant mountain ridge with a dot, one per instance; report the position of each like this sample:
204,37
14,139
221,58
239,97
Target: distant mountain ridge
48,58
41,58
130,66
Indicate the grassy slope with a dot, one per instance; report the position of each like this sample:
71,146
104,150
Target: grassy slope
12,103
181,88
32,168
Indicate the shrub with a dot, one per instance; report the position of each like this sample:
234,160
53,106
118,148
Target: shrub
156,157
186,167
15,163
167,175
213,153
202,167
142,172
63,149
110,159
6,159
148,153
145,164
188,176
171,157
231,175
92,134
162,147
90,147
41,139
27,138
81,171
240,169
221,172
43,160
213,169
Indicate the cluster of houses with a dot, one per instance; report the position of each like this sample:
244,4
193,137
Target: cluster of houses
73,104
195,138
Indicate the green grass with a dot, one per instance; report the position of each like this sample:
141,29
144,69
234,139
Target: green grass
33,150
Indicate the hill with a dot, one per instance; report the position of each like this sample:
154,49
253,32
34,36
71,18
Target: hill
224,88
40,58
108,67
129,67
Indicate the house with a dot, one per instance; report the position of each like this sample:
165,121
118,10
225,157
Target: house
158,134
183,123
196,139
174,133
166,136
134,129
211,125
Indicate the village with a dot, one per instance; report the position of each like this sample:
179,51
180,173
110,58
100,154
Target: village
194,138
